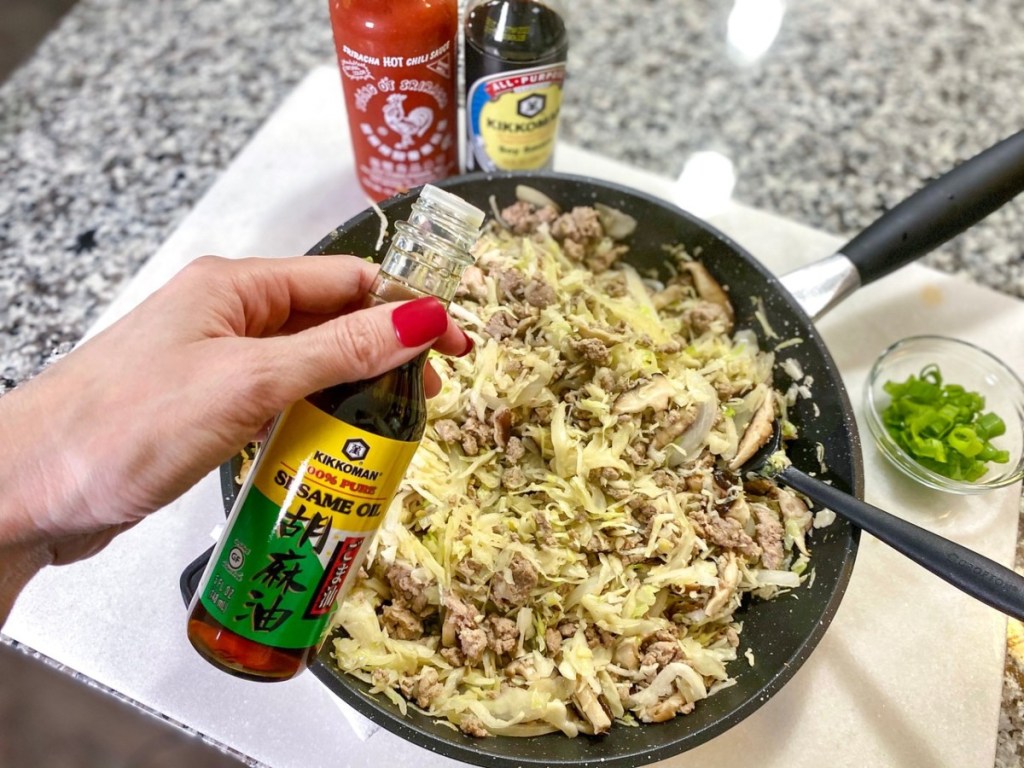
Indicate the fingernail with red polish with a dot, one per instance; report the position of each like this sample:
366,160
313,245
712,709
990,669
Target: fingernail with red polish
419,321
469,345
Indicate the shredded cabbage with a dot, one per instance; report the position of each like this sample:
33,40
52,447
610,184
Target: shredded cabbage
569,547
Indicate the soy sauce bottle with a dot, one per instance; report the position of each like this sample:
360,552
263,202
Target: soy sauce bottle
322,481
515,56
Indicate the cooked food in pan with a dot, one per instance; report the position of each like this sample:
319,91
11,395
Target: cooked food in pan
575,534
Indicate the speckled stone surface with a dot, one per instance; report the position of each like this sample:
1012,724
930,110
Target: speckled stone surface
129,111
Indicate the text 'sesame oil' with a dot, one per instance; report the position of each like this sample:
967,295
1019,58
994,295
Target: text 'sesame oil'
323,480
516,53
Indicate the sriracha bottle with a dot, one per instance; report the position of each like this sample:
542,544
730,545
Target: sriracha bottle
399,71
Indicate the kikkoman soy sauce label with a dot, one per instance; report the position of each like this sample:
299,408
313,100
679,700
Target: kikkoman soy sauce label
322,488
513,118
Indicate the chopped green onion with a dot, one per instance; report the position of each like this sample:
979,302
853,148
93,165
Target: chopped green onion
943,426
990,425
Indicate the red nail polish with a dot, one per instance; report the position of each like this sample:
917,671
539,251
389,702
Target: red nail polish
469,345
420,321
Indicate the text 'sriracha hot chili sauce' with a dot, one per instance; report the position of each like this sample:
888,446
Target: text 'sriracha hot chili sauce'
322,481
399,71
515,54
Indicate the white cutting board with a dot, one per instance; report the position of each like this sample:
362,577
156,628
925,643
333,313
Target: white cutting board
909,673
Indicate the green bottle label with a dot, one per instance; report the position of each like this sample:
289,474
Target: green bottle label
317,493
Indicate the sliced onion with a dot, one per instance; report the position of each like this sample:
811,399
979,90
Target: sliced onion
497,214
689,444
654,286
617,225
526,194
747,337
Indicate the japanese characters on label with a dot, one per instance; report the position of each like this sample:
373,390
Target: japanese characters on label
320,499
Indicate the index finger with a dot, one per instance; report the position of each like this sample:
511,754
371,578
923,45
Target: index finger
272,291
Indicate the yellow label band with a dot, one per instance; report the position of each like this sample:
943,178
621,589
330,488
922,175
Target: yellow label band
332,469
512,118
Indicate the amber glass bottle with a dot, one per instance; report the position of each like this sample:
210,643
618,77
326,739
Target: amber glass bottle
321,483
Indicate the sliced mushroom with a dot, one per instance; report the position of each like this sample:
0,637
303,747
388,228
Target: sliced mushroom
502,421
448,636
655,393
678,422
627,655
665,710
758,431
601,334
792,506
708,288
669,295
728,580
590,706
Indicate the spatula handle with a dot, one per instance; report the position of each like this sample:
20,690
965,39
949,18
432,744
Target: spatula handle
974,574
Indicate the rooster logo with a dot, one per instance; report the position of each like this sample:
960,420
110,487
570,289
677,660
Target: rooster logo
408,126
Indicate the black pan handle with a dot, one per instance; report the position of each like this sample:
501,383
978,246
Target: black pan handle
940,211
979,577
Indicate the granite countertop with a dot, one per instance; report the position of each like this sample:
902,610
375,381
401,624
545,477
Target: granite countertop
128,112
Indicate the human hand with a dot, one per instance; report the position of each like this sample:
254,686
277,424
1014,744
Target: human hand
136,416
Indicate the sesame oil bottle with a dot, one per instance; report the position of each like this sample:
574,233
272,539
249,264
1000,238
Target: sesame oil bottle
322,481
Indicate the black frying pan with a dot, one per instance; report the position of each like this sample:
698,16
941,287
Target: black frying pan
782,633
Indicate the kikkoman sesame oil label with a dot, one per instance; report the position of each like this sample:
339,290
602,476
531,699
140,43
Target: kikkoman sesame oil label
512,119
320,488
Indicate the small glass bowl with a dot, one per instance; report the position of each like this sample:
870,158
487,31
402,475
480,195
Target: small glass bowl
960,363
